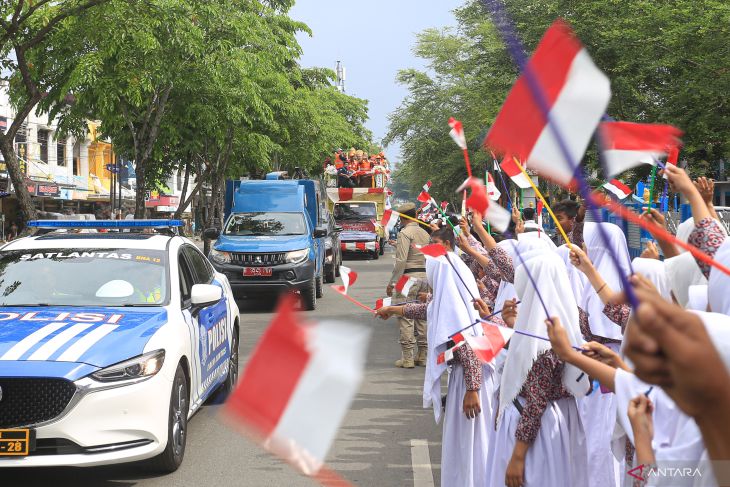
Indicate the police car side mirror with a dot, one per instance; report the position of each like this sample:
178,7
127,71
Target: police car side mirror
204,295
211,233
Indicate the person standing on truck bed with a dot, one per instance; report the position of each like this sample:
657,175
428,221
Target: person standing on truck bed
411,262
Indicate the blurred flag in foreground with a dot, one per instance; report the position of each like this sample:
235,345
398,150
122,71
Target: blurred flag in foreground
390,218
627,145
576,94
298,386
457,133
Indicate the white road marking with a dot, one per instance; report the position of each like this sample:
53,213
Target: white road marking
421,461
27,343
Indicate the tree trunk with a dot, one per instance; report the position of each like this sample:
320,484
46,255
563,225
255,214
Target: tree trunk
25,203
140,211
184,199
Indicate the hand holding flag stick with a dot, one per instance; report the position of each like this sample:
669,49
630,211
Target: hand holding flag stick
481,320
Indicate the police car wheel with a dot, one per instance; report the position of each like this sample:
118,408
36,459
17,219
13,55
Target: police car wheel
320,287
177,431
232,378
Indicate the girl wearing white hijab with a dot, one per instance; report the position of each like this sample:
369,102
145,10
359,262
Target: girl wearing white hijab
719,284
469,401
539,439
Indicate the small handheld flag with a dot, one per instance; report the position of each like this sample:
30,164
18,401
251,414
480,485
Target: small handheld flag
404,285
348,277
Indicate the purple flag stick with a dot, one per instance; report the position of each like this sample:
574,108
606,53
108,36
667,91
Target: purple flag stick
504,185
531,335
482,320
514,47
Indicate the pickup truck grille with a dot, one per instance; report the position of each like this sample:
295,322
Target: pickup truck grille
258,260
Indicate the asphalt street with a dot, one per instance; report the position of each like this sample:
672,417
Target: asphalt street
387,439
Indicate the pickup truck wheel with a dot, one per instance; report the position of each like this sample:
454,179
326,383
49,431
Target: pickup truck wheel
309,296
376,255
329,273
320,286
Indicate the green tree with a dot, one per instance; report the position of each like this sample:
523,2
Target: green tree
26,32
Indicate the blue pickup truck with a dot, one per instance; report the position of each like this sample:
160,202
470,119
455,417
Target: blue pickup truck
272,241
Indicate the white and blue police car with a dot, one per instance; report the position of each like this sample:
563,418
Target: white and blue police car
109,343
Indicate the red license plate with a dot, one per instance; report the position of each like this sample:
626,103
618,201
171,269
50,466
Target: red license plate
258,272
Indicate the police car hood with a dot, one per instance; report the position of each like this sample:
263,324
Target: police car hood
72,342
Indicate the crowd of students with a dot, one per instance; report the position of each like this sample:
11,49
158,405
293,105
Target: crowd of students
589,390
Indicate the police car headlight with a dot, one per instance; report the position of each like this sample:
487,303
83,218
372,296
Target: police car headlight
145,365
297,257
220,257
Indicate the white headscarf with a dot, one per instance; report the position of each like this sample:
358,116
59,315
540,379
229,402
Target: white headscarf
450,310
655,271
719,286
550,277
577,279
600,255
531,241
684,230
540,235
698,297
683,272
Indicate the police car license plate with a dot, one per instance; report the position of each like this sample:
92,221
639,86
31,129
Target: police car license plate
15,442
258,272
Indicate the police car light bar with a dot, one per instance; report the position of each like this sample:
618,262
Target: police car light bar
105,223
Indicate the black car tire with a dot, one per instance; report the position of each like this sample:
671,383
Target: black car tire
382,246
232,378
337,267
320,286
177,430
309,296
375,255
329,272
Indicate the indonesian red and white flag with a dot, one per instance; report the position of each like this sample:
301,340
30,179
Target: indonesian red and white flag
510,168
627,145
492,191
618,188
540,207
457,133
298,386
576,93
444,205
348,277
487,347
497,216
424,197
673,156
381,303
427,187
404,285
390,218
433,250
348,194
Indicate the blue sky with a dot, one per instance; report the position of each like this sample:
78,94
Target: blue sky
375,51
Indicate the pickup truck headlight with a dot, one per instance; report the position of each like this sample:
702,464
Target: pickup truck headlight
140,367
297,256
220,257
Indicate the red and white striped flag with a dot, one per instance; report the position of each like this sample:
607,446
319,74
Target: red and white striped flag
390,218
381,303
627,145
425,196
492,191
348,194
427,187
298,386
404,285
487,347
433,250
540,207
577,94
618,188
444,205
509,167
457,133
348,277
497,216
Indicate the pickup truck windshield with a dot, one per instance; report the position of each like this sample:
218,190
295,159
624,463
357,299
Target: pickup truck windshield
83,277
355,211
266,224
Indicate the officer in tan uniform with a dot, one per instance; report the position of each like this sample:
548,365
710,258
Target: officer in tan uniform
410,262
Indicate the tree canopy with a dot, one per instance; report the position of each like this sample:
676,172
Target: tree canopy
668,62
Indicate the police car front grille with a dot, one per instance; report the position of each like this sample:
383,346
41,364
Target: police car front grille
258,260
26,402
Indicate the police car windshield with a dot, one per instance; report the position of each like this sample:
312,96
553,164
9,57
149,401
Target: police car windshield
83,277
266,224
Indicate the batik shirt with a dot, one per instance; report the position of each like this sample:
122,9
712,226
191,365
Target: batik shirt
708,237
585,329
